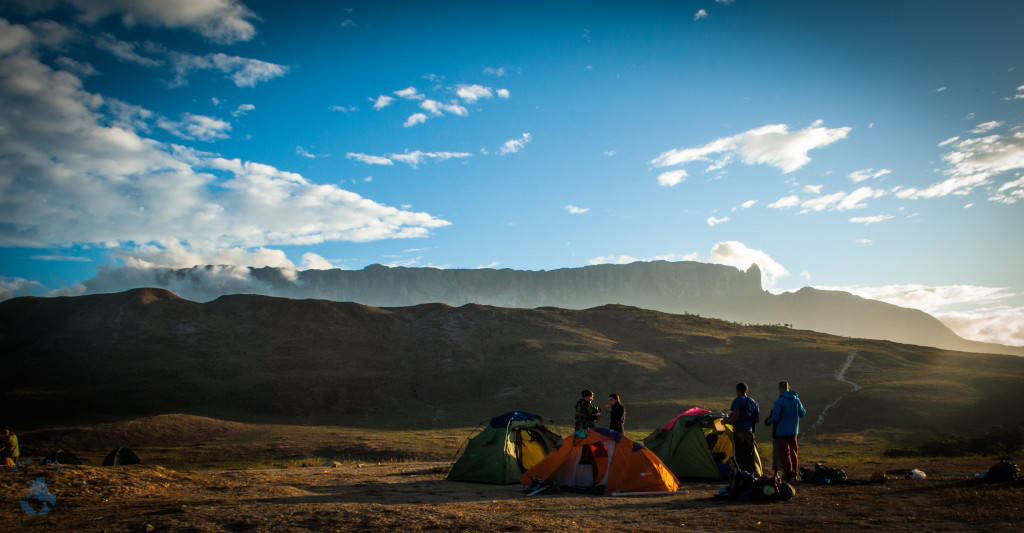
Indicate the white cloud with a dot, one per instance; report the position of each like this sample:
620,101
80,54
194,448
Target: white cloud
125,51
672,178
514,145
871,219
842,201
973,163
854,199
813,189
415,157
495,71
471,93
986,127
382,101
748,204
576,210
867,174
739,255
772,145
949,141
84,179
409,93
414,119
244,72
302,151
713,221
312,261
613,260
626,259
220,21
864,241
700,15
929,298
15,287
196,127
242,110
503,93
1019,94
822,203
61,258
987,322
77,68
785,202
1010,192
343,108
370,159
436,108
1001,324
610,153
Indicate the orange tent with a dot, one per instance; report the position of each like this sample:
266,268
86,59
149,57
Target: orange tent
595,457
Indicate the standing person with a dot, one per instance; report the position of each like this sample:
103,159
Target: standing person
786,414
586,412
9,448
618,413
744,415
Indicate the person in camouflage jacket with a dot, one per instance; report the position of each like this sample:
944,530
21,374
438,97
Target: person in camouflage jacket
586,412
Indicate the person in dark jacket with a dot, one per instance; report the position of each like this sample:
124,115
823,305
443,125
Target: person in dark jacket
586,412
786,415
618,413
745,413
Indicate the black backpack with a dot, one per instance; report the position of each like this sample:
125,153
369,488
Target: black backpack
823,475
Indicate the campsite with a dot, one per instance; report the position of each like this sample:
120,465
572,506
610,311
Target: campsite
202,474
315,415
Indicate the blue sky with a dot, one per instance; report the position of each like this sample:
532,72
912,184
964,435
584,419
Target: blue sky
873,147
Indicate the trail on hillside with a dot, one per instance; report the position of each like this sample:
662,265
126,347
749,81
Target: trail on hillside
841,377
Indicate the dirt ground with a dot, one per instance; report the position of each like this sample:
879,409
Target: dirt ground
415,497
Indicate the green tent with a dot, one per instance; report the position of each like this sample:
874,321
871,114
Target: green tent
508,446
696,444
121,456
63,457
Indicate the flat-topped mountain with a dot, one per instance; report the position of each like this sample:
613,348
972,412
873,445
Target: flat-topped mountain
705,289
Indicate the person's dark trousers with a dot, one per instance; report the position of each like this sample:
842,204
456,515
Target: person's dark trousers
743,449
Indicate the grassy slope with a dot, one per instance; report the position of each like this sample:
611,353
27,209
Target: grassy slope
269,360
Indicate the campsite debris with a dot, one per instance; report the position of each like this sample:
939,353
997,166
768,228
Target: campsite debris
907,473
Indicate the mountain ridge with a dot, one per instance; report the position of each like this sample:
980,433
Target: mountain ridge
255,358
706,289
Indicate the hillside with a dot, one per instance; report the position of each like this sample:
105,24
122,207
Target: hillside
704,289
255,358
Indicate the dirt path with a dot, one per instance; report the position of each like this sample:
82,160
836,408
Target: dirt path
840,377
415,497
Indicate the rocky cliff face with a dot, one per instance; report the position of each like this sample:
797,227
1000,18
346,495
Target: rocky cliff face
657,285
709,290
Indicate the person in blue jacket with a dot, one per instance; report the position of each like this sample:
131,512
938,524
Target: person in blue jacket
786,415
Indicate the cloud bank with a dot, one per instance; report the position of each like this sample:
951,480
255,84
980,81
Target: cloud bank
77,169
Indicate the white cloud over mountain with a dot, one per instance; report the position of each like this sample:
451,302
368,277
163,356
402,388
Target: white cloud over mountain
986,322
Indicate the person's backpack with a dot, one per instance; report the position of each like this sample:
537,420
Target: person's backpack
1003,471
822,475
